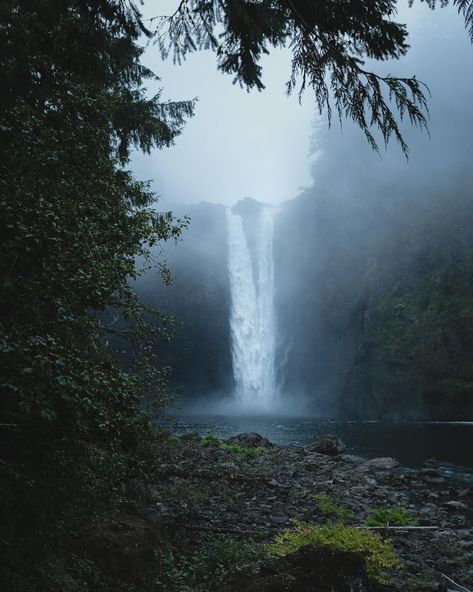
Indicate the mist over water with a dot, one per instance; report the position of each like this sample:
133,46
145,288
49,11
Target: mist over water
252,323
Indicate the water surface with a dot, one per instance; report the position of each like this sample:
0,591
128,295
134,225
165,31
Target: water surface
412,443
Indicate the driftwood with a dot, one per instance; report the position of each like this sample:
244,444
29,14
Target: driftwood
455,583
399,528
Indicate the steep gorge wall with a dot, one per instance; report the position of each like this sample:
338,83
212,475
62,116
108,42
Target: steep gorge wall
375,304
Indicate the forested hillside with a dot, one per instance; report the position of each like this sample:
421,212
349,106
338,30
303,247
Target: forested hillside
385,329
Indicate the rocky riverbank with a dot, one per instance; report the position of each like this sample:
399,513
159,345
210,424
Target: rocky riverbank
251,489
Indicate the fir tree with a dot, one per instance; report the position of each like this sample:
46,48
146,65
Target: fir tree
329,40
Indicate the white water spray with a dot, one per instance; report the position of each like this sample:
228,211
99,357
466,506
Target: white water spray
252,313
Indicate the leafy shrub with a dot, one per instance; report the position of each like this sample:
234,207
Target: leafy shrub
328,508
243,452
394,516
204,569
209,439
173,441
379,554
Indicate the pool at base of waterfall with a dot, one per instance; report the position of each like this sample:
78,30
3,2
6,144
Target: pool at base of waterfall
412,443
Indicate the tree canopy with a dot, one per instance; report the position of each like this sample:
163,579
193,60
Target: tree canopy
330,42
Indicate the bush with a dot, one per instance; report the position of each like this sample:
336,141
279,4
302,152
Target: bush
328,508
380,555
243,452
209,439
394,516
204,569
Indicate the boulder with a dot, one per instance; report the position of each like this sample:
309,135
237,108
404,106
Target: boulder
383,463
328,444
251,440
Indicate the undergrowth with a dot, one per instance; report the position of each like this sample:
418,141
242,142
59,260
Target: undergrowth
204,569
243,452
329,509
209,439
391,516
380,555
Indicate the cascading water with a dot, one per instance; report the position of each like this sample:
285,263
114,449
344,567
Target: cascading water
252,313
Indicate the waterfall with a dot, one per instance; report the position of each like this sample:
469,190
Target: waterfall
252,312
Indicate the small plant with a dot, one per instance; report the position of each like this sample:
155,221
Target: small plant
329,509
243,452
209,439
204,569
174,576
172,440
393,516
219,553
380,555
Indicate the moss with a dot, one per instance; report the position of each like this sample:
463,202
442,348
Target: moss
380,555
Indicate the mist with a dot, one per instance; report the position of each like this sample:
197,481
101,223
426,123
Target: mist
355,230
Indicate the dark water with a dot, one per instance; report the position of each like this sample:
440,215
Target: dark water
412,443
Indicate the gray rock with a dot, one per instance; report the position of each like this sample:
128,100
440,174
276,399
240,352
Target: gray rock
383,463
251,440
454,505
353,458
328,444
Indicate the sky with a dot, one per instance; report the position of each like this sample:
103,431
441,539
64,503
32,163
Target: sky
258,144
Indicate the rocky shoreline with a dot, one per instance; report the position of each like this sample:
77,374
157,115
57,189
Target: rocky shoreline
246,486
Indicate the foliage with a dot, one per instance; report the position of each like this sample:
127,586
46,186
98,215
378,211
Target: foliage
329,42
203,569
394,516
74,221
209,439
380,554
173,441
328,508
243,452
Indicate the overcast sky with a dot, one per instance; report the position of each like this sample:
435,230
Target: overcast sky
258,144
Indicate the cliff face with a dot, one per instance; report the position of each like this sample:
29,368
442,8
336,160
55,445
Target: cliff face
415,338
376,304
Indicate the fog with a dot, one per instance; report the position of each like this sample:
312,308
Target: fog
358,237
238,143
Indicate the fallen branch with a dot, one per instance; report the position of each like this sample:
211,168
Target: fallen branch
400,528
454,583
